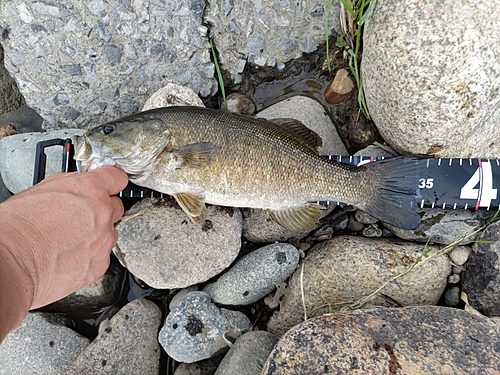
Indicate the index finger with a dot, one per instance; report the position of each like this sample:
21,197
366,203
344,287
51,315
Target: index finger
112,179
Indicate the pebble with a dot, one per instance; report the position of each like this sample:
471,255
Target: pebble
41,344
364,218
248,354
172,94
482,279
453,279
372,231
404,74
196,329
340,271
204,367
255,275
339,88
180,295
126,346
452,296
17,155
353,225
459,255
411,340
239,103
162,247
444,226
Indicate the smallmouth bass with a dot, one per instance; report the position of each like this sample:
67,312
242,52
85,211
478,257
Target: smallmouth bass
201,155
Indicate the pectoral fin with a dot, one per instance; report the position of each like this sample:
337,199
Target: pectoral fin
194,155
302,218
193,205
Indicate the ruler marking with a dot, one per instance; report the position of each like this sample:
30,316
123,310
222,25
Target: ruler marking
480,191
455,206
121,193
439,162
444,206
466,206
422,204
142,193
428,161
470,161
450,162
432,206
460,161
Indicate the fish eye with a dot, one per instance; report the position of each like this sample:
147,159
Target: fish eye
108,129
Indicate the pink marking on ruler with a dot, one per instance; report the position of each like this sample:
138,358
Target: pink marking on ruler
372,159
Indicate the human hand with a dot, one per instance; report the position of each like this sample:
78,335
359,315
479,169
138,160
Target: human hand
57,236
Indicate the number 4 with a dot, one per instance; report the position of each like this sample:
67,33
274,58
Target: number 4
485,194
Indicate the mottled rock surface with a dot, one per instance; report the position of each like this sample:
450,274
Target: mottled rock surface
162,247
10,97
127,345
42,344
482,276
340,271
407,341
431,78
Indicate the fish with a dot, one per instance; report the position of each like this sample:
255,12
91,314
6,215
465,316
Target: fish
205,156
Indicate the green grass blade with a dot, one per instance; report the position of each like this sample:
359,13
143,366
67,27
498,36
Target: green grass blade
348,7
219,75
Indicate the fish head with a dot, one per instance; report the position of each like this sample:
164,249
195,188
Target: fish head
132,144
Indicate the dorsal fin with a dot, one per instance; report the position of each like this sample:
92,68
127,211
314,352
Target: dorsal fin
300,131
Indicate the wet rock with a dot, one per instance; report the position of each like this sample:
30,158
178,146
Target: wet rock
248,354
172,94
452,296
42,344
196,329
444,226
104,59
205,367
10,97
389,341
17,157
255,275
311,114
459,255
266,33
343,270
482,277
258,227
104,292
162,247
127,345
430,85
239,103
339,88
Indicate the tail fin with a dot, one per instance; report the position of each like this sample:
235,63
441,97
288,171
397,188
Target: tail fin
394,194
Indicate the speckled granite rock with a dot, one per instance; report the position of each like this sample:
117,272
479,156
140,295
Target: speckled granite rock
407,341
162,247
432,85
10,97
42,344
346,268
267,32
81,62
482,276
127,345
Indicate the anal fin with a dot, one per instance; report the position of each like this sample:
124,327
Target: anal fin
193,205
301,218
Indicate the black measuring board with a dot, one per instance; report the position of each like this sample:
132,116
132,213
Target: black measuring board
469,184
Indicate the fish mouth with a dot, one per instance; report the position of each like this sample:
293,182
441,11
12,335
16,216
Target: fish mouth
85,156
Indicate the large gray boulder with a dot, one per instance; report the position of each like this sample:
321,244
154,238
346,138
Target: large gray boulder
431,76
10,97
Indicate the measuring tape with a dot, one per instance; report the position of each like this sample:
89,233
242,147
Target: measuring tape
469,184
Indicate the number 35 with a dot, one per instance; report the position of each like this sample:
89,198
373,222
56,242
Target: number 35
426,183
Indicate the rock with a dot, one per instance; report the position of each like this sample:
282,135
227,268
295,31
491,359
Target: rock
311,114
7,129
42,344
453,279
459,255
340,271
205,367
430,85
339,88
196,329
172,94
162,247
104,292
255,275
248,354
444,226
364,218
239,103
258,227
376,150
10,97
127,345
266,33
85,62
482,279
17,157
180,295
353,225
452,296
412,340
372,231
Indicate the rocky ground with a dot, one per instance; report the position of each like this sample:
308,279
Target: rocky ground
242,294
